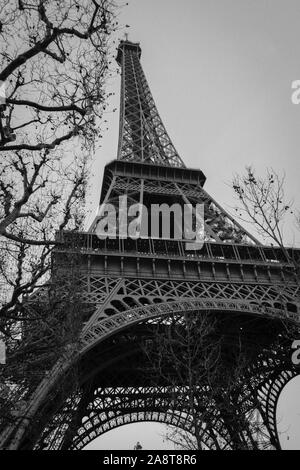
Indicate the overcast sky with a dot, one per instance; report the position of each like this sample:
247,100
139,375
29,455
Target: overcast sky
220,72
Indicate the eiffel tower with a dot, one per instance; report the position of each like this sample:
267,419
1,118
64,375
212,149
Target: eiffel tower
132,284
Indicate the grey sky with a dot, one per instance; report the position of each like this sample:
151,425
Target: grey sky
220,72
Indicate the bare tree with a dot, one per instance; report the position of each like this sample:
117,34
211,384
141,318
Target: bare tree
263,203
182,357
54,63
189,354
52,327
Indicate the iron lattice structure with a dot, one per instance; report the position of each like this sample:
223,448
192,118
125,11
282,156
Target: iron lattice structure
143,136
131,286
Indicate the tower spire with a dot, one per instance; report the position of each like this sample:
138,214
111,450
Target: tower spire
142,136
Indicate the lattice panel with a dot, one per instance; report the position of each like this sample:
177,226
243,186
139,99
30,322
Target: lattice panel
113,407
96,289
178,289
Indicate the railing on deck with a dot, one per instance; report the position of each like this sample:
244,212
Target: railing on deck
176,248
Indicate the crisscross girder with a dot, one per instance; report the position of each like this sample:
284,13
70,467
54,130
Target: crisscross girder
143,136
